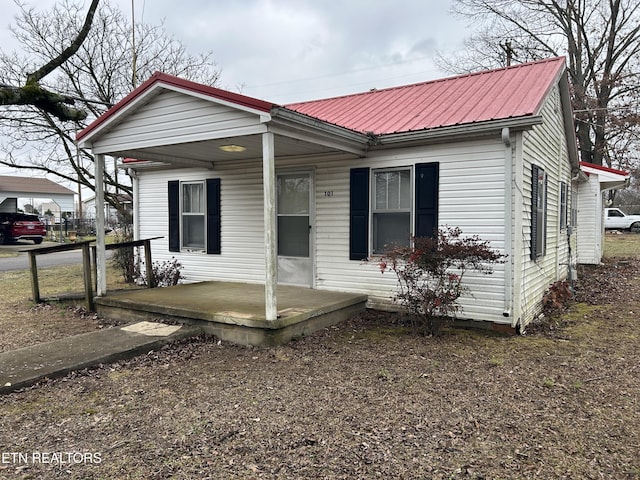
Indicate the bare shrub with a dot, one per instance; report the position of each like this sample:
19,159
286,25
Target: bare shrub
430,275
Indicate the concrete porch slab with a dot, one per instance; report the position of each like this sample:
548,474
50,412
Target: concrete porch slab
235,312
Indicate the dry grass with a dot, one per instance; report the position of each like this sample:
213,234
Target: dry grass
361,400
24,323
619,244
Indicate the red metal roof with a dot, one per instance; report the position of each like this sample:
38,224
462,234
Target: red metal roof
516,91
163,78
512,92
603,168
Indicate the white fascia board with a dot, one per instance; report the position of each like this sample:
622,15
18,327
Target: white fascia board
264,116
567,119
607,180
200,137
456,131
323,140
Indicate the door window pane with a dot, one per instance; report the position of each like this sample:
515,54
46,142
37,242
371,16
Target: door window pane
293,194
293,236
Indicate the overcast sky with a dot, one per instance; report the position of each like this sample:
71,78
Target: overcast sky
286,51
291,50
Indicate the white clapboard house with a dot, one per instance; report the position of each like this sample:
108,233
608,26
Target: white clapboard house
246,190
592,186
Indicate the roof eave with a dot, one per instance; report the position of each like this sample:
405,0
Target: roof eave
567,118
351,141
460,131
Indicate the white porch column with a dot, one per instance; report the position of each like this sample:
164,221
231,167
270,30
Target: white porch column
270,251
101,257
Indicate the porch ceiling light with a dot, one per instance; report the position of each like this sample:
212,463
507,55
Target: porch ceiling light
232,148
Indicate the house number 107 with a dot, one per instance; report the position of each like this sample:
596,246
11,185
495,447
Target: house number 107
328,193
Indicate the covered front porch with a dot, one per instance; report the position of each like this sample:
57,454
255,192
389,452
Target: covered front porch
169,123
235,312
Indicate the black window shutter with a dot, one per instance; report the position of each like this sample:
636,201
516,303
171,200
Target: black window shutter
546,190
427,186
174,215
534,212
359,214
213,215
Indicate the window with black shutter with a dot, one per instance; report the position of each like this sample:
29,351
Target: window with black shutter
538,212
194,215
380,207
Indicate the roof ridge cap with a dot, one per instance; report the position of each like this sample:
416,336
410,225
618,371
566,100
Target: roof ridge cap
426,82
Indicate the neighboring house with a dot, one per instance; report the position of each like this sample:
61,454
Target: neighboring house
112,216
14,187
249,191
591,187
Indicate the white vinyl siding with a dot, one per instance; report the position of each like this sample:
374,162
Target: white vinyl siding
545,146
471,197
242,249
174,118
590,228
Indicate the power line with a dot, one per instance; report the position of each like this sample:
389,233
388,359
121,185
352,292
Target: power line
338,74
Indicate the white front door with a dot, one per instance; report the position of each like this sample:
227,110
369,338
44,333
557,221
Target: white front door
294,207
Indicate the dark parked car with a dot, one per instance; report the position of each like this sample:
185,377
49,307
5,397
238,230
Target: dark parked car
21,226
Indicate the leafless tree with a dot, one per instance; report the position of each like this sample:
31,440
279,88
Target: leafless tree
100,73
32,93
601,40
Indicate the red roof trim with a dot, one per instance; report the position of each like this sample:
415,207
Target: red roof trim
604,169
163,78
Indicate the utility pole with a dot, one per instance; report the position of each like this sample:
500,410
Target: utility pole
134,56
509,51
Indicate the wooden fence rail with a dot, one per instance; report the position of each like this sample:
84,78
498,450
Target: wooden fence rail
86,264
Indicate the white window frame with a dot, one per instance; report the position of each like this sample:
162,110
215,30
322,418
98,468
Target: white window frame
373,210
203,214
564,205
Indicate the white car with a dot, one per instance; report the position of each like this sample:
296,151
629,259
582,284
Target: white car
616,218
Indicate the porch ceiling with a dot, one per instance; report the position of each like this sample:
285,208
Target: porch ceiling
203,153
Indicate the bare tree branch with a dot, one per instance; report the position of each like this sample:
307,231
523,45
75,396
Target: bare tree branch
36,139
601,40
32,93
67,52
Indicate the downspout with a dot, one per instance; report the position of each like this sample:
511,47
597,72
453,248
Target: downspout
136,206
508,230
572,271
558,230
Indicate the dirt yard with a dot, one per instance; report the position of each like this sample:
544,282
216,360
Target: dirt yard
365,399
